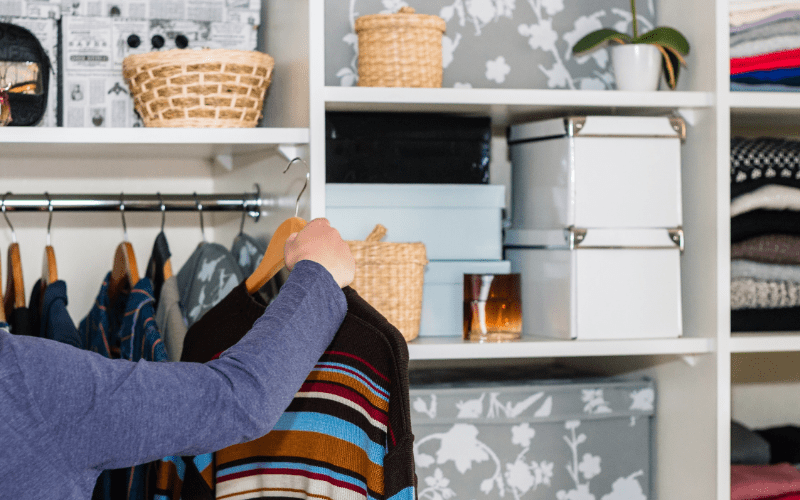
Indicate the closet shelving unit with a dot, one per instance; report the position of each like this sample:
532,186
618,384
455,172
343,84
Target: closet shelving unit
693,373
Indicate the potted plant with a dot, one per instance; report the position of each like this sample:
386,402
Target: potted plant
638,60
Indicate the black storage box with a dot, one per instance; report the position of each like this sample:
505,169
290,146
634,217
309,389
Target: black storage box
407,148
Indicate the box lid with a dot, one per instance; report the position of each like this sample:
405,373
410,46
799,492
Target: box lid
598,126
453,271
415,195
577,238
501,395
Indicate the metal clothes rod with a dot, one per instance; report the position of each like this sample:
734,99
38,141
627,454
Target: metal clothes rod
239,202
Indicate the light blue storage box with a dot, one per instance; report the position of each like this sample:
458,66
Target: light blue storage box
443,294
454,221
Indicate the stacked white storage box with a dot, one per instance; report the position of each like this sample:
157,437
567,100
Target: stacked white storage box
596,226
460,225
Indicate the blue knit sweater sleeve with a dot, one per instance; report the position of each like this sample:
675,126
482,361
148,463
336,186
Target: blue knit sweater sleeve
99,413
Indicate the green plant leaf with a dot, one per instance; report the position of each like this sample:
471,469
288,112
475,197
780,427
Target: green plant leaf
595,38
671,64
666,37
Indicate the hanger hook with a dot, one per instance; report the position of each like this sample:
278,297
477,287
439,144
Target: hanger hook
13,233
305,185
122,212
200,210
50,217
244,213
163,211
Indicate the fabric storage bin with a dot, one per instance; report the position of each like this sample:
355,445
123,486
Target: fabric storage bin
532,439
599,283
407,148
443,294
596,172
454,221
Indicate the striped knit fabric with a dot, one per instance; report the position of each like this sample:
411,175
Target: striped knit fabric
346,435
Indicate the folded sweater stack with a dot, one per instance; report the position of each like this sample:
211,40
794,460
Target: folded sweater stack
765,235
764,463
765,45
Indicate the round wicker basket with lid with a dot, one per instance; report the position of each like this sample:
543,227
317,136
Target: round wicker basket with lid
400,50
199,88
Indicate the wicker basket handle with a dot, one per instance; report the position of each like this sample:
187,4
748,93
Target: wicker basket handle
406,10
377,233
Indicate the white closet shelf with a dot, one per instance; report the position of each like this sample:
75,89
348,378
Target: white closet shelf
508,105
134,143
765,101
448,348
765,342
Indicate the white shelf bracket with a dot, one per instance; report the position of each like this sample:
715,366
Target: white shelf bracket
292,151
224,160
690,359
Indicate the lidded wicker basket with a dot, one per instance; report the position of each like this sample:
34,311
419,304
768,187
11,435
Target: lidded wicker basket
400,50
390,277
199,88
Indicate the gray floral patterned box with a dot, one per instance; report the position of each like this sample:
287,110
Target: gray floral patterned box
523,44
563,439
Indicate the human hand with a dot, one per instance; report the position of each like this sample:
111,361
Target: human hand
321,243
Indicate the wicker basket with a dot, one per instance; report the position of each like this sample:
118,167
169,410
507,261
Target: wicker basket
400,50
199,88
390,276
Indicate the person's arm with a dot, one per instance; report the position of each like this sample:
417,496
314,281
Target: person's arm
102,413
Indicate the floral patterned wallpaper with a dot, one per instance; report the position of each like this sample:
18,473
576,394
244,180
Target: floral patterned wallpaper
497,43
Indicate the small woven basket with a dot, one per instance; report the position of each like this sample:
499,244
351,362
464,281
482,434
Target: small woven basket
390,276
400,50
199,88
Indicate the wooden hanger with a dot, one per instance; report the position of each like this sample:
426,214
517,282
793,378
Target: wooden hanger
49,268
273,257
15,285
125,272
273,260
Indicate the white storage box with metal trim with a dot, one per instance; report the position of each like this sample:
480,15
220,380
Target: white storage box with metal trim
532,439
597,172
443,294
454,221
599,283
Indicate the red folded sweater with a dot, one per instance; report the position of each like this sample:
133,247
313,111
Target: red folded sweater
766,62
765,482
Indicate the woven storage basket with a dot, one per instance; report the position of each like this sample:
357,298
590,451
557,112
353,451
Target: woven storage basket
390,276
400,50
199,88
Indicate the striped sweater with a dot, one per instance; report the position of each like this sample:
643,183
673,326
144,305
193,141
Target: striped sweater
347,433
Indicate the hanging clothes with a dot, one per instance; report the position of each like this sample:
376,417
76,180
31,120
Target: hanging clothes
19,322
124,330
206,278
170,320
54,322
155,266
248,252
114,413
347,432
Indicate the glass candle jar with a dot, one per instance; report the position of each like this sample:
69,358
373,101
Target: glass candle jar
492,307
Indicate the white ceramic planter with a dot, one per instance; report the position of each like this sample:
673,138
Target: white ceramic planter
636,66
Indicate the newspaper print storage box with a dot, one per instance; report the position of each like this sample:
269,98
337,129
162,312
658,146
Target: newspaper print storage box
454,221
529,440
